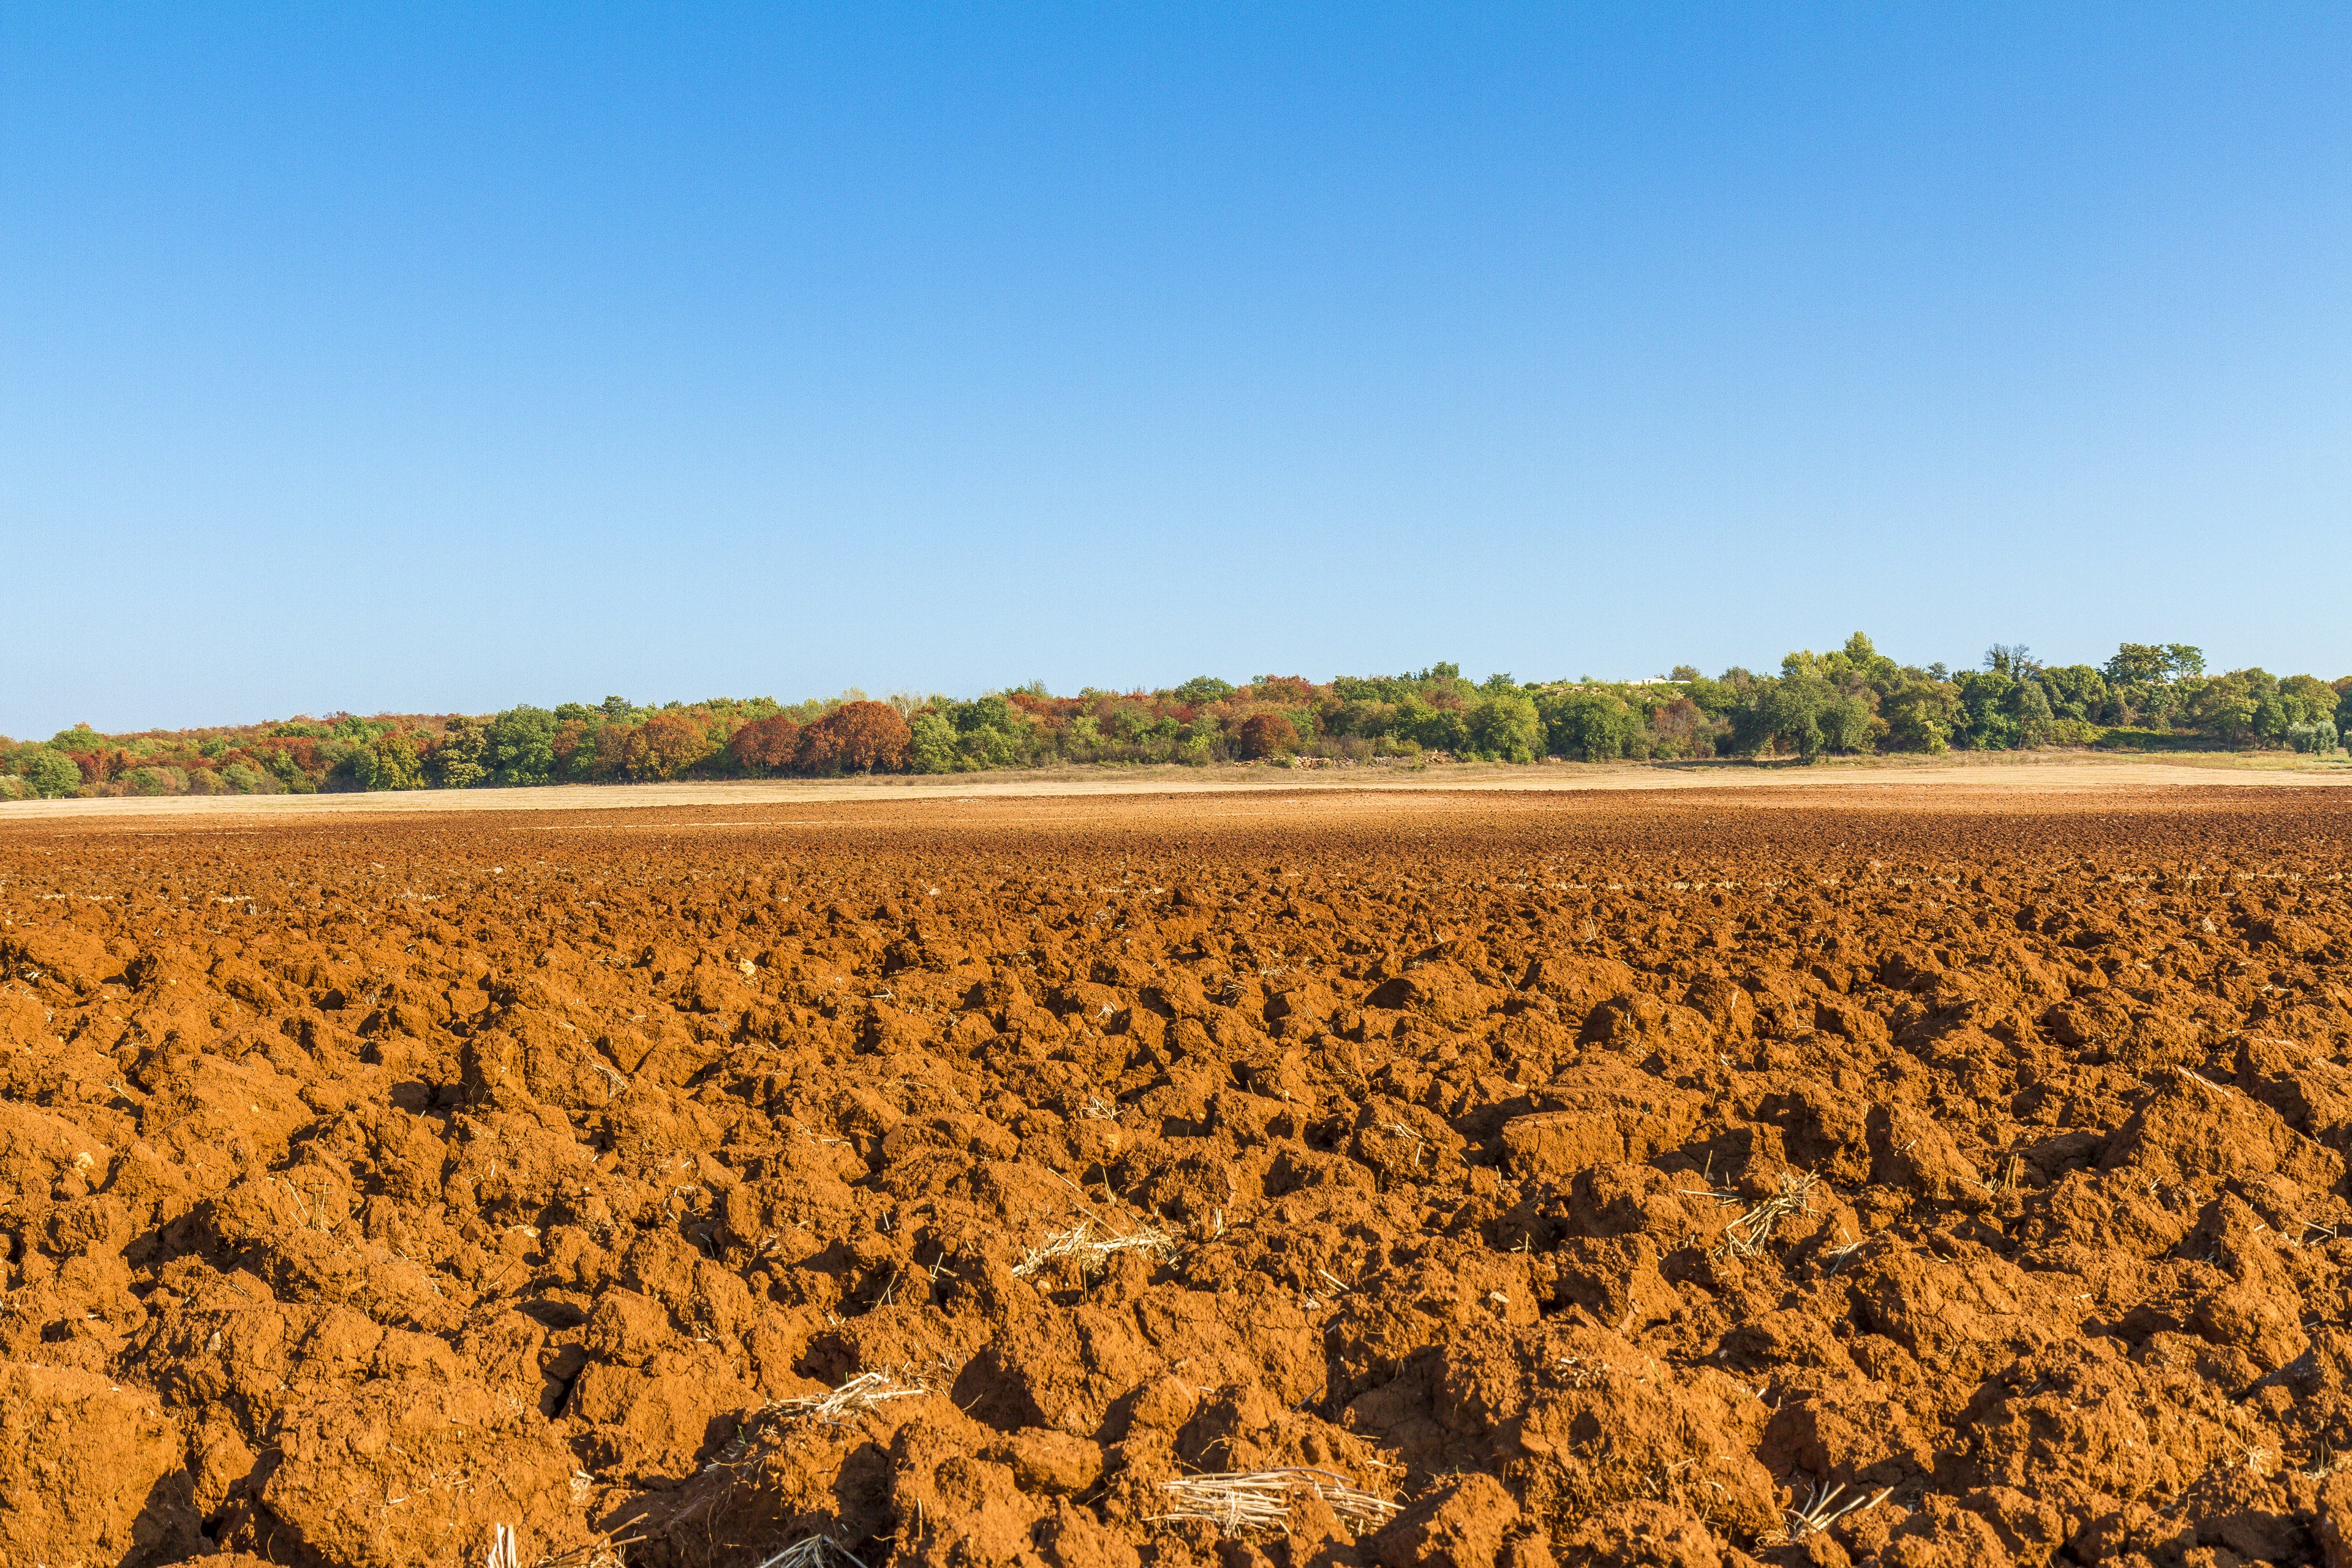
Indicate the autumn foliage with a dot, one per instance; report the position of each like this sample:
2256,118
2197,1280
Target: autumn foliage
1266,735
766,745
1850,700
855,737
665,745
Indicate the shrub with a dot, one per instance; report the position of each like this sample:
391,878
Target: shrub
243,778
2319,735
1263,736
1681,729
2072,732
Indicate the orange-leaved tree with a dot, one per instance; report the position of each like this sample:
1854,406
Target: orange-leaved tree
665,745
856,737
1266,735
766,745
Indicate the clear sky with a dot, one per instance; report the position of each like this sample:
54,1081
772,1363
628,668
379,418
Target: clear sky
446,358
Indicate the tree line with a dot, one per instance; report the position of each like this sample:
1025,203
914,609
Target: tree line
1850,700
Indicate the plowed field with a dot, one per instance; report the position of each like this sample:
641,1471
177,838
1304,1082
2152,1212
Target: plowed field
1352,1181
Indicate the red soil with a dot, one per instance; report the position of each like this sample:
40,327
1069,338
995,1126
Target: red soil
1601,1180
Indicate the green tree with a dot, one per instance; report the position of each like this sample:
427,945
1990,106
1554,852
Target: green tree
243,778
2136,664
50,772
395,762
461,758
2029,707
992,731
1844,723
2306,700
1786,714
1989,707
518,746
1202,690
2013,659
2075,691
2225,708
1508,727
1435,727
992,711
1804,713
2148,683
2321,736
1922,715
1858,663
1590,725
931,744
1716,699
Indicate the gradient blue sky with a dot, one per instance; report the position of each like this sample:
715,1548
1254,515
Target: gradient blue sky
447,358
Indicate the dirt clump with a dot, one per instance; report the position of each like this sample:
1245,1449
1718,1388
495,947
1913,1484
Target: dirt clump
1483,1184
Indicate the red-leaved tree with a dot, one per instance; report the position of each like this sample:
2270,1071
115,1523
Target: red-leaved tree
765,746
855,737
1266,735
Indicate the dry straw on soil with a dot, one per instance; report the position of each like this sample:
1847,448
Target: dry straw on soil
1821,1509
816,1551
860,1395
866,1392
1090,1251
1752,1230
1239,1503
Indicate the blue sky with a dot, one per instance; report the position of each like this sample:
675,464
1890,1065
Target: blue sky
449,358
